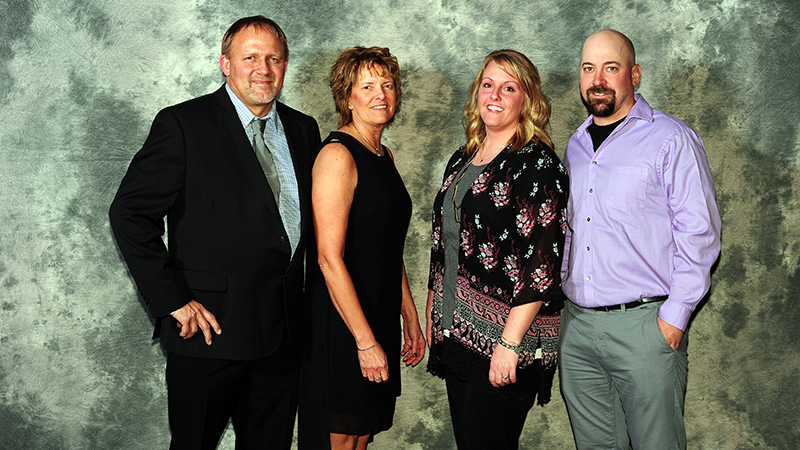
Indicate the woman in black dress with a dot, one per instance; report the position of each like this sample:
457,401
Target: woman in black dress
359,291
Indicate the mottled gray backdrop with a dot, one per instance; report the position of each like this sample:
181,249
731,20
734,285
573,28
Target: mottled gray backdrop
81,80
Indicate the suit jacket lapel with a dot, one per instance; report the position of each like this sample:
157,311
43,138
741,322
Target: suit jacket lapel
240,145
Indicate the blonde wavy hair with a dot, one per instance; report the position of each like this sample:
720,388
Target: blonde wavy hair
535,116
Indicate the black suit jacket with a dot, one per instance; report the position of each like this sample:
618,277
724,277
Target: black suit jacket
227,246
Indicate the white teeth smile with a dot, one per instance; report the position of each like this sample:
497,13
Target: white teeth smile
494,108
380,107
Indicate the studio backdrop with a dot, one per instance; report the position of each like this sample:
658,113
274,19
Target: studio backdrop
81,80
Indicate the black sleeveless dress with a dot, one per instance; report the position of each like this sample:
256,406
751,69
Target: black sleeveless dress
334,396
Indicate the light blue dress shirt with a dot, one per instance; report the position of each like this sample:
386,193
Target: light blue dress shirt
275,138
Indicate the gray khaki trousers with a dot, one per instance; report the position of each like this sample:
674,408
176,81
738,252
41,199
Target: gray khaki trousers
623,385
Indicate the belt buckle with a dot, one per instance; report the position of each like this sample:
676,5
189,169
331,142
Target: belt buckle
658,298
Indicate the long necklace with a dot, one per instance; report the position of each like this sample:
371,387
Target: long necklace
377,150
457,208
480,161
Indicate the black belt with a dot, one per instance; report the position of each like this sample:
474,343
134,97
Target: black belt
634,304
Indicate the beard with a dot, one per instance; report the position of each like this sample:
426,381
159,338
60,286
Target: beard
600,107
261,96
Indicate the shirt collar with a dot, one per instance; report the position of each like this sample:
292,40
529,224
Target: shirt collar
641,110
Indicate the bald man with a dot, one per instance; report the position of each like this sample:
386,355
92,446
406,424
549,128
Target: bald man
643,234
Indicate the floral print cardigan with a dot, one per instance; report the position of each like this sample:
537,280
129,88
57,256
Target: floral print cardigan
513,222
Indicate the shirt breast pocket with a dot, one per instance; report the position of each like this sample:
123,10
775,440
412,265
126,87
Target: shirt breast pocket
627,188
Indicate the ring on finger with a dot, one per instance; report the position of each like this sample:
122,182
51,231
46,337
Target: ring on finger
505,377
378,378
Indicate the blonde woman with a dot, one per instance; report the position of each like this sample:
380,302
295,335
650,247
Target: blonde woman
497,244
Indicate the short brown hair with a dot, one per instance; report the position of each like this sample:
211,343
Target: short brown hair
259,22
535,115
344,72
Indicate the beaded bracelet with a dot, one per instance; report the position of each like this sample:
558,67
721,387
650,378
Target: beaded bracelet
515,348
368,348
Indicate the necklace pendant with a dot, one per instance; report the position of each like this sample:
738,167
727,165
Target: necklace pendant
377,150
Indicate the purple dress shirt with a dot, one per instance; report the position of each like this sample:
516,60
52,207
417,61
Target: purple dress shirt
643,220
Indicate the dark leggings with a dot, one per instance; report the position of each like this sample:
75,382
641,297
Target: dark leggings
484,420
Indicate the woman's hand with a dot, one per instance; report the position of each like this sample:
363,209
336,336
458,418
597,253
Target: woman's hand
413,340
503,368
374,366
414,343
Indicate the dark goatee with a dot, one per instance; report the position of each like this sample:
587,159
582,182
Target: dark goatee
600,108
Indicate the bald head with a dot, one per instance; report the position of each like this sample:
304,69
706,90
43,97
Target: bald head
609,74
611,41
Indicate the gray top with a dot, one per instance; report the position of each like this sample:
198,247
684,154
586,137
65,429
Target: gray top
450,236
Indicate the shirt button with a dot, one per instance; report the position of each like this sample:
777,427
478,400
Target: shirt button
588,278
591,190
587,249
588,219
594,163
283,239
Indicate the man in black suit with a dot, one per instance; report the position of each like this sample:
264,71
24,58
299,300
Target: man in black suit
238,217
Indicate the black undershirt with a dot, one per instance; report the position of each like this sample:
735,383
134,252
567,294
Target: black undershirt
600,133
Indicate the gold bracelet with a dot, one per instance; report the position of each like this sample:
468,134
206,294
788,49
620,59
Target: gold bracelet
509,341
515,348
368,348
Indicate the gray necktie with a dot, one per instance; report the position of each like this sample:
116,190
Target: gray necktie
265,157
